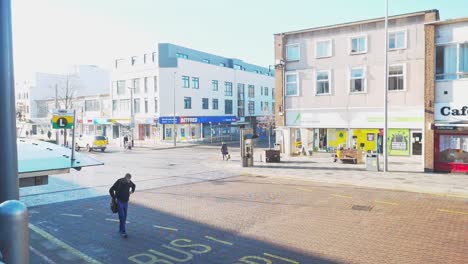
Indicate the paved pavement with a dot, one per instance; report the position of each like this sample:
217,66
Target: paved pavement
249,220
321,168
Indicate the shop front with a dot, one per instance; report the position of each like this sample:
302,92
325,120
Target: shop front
451,137
196,128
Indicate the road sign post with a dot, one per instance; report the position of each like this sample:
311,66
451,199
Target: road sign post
73,137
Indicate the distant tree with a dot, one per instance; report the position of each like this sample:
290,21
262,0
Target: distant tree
66,95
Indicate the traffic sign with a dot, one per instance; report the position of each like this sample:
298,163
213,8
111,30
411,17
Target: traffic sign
62,120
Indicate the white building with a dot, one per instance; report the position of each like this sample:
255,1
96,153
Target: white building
86,85
209,93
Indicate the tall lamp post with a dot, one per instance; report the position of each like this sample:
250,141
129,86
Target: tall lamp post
132,113
385,134
174,113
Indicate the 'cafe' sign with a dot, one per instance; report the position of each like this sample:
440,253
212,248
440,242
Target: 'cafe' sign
450,112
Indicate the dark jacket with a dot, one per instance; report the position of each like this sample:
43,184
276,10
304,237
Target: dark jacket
121,190
224,149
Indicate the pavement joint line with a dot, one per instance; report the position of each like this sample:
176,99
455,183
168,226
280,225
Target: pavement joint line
383,202
72,215
219,241
166,228
453,212
42,256
116,220
281,258
63,245
342,196
303,189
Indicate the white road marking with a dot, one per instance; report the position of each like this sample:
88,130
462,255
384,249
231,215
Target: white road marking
166,228
72,215
116,220
219,241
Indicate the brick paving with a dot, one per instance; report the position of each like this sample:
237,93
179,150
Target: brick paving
262,220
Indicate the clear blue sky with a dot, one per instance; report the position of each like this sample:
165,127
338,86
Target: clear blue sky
50,35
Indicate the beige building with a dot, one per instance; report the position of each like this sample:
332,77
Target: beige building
330,86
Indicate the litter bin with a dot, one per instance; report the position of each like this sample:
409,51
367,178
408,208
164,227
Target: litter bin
372,162
272,155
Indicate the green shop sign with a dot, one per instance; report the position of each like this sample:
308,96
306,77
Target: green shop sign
398,142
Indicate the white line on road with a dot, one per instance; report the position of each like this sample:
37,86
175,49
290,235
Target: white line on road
166,228
219,241
42,256
383,202
116,220
72,215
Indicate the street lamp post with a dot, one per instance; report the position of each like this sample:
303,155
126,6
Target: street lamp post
385,134
174,113
132,114
211,133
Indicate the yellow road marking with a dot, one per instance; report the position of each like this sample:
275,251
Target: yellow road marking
281,258
166,228
303,189
63,245
446,195
116,220
451,211
342,196
457,196
219,241
383,202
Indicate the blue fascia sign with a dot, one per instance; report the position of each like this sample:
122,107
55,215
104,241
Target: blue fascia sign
196,119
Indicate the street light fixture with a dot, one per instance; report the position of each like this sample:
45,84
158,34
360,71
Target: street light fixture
385,134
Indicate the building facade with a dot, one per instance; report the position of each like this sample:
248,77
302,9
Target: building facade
205,93
330,83
85,89
447,96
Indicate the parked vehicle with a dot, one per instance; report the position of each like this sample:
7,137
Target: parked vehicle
91,143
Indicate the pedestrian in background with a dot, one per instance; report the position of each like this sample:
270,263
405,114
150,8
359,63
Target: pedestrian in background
121,191
224,151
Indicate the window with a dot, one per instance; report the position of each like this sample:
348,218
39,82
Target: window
251,107
136,105
187,102
251,91
291,84
114,105
228,88
228,107
358,80
237,67
323,48
181,55
214,84
273,93
397,40
145,57
155,105
134,59
266,91
153,56
396,78
322,80
205,103
136,85
266,107
120,87
124,105
146,105
453,148
222,65
92,105
155,84
195,83
358,45
145,84
215,104
447,61
261,90
185,82
273,107
206,61
292,52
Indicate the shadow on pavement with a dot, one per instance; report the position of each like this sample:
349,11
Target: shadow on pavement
155,236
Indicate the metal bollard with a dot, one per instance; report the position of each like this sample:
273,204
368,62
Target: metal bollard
14,232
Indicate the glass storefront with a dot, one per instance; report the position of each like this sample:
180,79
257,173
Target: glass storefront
453,148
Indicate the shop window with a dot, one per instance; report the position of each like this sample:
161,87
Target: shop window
453,148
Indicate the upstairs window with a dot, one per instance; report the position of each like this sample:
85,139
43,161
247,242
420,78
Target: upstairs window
291,84
397,40
292,52
195,83
358,45
205,103
449,66
214,84
251,91
187,102
323,48
120,87
322,80
396,78
358,80
181,55
185,82
228,88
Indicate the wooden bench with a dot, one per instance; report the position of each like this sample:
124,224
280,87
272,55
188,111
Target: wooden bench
349,155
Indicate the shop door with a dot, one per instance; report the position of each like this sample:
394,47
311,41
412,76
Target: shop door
141,132
416,145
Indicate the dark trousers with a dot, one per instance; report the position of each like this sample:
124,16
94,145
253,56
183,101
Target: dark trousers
122,207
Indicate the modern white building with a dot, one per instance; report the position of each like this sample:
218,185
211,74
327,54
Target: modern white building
330,86
206,94
85,89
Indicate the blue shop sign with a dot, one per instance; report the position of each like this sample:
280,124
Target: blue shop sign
196,119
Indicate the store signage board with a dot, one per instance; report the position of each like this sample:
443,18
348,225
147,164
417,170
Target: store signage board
62,119
450,112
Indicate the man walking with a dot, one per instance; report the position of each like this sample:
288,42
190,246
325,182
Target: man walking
225,151
121,192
